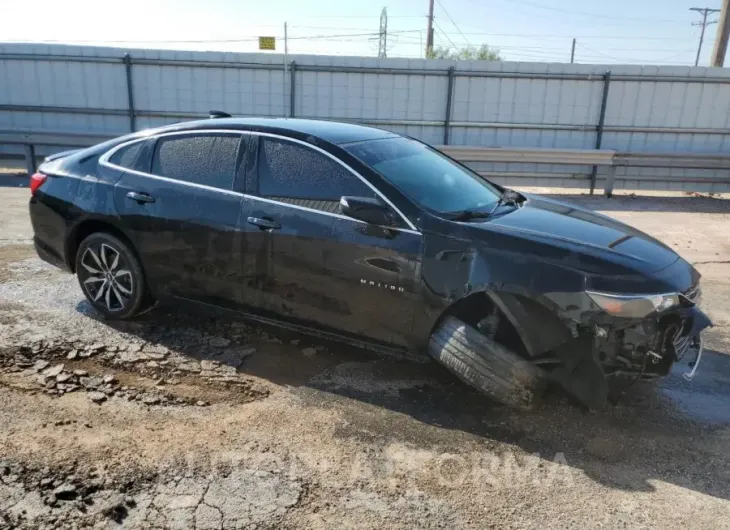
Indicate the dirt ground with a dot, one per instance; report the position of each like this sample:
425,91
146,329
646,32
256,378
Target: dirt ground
180,420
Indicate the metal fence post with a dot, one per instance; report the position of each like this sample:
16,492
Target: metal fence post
601,120
292,78
130,93
30,165
449,96
610,181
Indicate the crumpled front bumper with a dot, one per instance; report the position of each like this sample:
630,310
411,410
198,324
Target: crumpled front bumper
605,347
654,345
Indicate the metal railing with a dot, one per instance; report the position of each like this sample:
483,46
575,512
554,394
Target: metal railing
294,68
583,157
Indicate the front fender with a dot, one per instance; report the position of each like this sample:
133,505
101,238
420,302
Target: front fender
454,269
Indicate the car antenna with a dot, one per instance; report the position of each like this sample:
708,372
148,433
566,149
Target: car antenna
213,114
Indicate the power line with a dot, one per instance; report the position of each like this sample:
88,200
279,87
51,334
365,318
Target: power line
406,39
360,16
567,36
445,35
347,35
584,13
339,28
452,21
605,20
562,59
205,41
352,34
660,60
558,51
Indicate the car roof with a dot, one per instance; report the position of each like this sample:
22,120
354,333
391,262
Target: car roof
329,131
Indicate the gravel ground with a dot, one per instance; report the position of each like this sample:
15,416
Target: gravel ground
180,420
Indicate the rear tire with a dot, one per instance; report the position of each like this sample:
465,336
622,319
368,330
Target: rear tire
486,365
110,276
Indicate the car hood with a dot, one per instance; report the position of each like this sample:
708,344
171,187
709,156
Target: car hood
582,238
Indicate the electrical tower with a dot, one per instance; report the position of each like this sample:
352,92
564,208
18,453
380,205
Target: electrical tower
383,43
704,11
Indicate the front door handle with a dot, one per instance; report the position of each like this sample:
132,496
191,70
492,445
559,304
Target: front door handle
140,197
264,224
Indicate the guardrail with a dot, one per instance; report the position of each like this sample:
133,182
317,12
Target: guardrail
592,157
584,157
581,157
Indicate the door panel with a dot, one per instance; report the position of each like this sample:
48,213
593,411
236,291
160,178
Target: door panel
188,238
340,273
186,219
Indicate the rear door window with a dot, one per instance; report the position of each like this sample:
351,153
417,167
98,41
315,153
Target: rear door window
298,174
207,159
133,156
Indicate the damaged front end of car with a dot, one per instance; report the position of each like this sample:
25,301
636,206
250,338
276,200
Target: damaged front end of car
591,337
634,335
586,298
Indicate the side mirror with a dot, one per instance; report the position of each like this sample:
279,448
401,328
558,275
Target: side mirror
372,211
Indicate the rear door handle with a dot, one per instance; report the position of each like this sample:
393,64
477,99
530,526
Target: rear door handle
140,197
264,224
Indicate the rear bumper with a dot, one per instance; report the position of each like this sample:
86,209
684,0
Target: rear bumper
48,255
49,230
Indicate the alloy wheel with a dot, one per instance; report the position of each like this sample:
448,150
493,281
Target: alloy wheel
106,277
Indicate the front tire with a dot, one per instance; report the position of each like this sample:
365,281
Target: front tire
110,276
486,365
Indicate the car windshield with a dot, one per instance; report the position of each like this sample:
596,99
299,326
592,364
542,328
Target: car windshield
425,175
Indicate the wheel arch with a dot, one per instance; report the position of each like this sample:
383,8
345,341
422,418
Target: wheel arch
535,329
84,229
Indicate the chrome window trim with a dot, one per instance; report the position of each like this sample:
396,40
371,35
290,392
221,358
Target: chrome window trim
173,181
104,161
337,215
104,158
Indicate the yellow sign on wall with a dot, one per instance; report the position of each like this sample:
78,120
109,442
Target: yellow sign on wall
267,43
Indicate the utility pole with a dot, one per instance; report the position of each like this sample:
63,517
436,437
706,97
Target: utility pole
429,31
572,52
704,11
723,30
383,43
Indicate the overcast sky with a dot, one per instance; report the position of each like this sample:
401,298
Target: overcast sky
617,31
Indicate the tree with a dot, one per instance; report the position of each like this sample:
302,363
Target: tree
470,53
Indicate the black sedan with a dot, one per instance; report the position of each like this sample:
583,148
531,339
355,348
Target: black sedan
372,238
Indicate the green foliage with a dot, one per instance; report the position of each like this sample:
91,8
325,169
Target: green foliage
470,53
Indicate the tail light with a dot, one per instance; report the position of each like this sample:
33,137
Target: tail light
36,181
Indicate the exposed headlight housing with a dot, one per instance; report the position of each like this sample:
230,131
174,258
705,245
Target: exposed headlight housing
634,306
